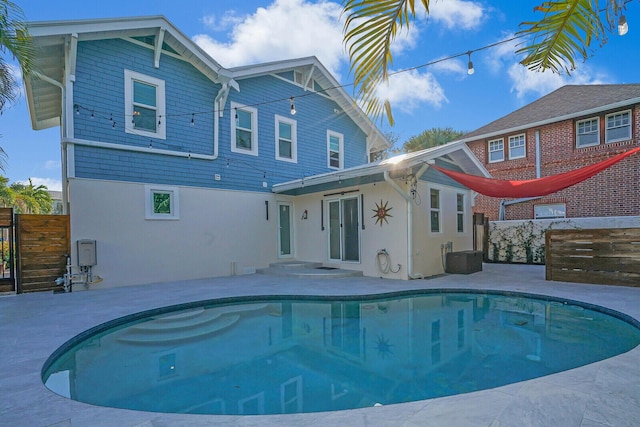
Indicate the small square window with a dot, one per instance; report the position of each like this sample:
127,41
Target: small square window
496,151
161,202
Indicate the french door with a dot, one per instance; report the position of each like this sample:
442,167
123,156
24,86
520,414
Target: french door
344,229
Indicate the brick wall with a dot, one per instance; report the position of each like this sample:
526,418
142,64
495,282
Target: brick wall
613,192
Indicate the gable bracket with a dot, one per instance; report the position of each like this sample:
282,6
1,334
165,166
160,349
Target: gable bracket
308,79
158,47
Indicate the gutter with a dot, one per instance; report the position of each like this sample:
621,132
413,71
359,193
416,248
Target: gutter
405,196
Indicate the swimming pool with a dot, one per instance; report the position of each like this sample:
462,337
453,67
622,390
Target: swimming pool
308,354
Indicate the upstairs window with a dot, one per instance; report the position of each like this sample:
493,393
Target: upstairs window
618,127
588,132
496,150
517,147
286,139
335,143
434,210
144,105
244,129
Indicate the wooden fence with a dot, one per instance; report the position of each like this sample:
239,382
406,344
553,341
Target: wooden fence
43,244
602,256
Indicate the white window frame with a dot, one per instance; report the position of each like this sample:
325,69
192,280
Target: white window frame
628,126
174,195
340,137
461,213
521,140
490,150
254,129
549,207
436,209
294,138
597,132
129,78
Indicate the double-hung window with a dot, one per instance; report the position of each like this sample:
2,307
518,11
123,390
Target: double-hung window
588,132
161,202
144,105
460,212
496,150
434,210
244,129
618,127
517,147
335,150
286,139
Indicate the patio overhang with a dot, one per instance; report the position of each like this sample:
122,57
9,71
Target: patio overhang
456,153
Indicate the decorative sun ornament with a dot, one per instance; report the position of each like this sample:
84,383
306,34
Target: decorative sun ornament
382,212
383,347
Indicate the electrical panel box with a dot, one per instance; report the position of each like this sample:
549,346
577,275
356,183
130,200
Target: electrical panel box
87,253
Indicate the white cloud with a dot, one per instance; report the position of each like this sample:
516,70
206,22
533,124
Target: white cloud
526,83
457,14
225,22
283,30
406,91
50,183
52,165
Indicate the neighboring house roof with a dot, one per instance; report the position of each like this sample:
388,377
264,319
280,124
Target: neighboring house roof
457,152
56,42
566,103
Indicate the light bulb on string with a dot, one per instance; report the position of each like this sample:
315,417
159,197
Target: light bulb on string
623,27
293,106
193,121
470,69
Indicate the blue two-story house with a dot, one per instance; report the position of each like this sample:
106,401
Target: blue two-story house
180,168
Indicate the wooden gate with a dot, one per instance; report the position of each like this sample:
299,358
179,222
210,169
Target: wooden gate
7,272
43,243
602,256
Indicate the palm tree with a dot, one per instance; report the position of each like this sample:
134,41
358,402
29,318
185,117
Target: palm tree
31,199
564,33
15,41
7,196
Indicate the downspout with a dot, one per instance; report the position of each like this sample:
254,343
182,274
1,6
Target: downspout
503,203
405,196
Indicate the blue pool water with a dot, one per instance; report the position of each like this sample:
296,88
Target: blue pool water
275,355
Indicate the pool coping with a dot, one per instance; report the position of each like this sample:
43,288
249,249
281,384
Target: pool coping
600,394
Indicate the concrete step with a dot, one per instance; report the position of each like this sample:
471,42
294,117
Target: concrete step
307,269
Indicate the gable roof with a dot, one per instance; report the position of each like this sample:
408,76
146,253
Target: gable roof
55,43
313,69
567,102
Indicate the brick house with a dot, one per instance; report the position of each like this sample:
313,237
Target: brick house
572,127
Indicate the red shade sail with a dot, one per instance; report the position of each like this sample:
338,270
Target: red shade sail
532,187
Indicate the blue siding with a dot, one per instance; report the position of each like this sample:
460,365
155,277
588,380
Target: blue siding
99,87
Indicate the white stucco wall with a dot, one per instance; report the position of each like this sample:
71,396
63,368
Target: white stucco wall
428,255
218,232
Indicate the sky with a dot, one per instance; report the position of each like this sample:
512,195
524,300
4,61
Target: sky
440,95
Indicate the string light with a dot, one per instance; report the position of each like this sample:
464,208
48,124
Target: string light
193,121
470,69
623,27
77,107
159,121
293,106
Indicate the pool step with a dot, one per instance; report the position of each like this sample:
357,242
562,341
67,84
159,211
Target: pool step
307,269
186,325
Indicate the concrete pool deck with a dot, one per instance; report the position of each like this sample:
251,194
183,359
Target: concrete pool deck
32,326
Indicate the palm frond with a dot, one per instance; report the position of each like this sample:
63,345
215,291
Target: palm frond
370,28
563,35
